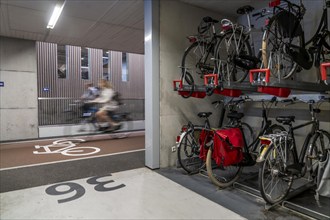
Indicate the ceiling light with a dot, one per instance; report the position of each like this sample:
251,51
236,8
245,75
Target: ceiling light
56,14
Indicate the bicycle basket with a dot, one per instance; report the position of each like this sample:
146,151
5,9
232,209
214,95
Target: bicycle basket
288,24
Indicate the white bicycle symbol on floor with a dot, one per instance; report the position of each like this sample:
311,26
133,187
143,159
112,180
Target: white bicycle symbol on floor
67,148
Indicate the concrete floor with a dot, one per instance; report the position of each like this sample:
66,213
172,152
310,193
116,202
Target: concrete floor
133,194
115,184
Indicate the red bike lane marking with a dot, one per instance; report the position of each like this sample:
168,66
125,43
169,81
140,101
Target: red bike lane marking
20,154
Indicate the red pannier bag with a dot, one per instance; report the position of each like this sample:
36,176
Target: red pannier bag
228,146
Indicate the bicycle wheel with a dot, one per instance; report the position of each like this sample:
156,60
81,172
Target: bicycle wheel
317,151
221,176
197,60
325,48
231,55
190,80
274,181
275,44
189,150
275,128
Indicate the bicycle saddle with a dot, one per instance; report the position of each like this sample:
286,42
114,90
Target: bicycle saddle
285,119
208,19
245,9
235,115
204,114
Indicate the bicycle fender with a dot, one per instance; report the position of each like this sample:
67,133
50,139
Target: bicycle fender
263,149
181,136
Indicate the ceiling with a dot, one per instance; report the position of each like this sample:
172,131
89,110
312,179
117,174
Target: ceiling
107,24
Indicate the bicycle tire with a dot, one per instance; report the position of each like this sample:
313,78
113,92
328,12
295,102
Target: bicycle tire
272,173
191,60
323,50
188,151
226,54
272,49
191,82
248,134
317,151
221,176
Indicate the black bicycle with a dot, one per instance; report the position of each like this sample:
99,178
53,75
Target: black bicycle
195,138
224,176
280,163
197,58
283,45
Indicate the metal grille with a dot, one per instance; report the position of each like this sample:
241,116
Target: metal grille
56,96
57,111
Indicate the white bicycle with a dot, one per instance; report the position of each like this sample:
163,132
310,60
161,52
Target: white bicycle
67,147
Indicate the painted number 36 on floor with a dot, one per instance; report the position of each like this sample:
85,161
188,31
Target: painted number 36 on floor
68,187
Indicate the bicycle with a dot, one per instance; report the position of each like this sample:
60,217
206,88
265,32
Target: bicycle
85,119
197,58
193,138
284,49
67,147
234,53
279,161
226,54
225,175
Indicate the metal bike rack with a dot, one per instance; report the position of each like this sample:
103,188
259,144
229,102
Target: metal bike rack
304,210
269,82
288,203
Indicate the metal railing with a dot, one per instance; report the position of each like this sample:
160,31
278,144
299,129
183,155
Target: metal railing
60,111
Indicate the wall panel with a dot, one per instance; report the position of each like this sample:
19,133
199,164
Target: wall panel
56,96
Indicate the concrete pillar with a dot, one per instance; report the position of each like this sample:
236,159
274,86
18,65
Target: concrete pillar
151,62
18,93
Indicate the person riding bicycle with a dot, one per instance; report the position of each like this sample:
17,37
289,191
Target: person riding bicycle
109,105
91,92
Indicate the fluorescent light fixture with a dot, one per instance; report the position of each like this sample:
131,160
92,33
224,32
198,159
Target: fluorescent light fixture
56,14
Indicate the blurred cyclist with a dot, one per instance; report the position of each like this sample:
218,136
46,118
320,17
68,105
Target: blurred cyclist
109,105
91,92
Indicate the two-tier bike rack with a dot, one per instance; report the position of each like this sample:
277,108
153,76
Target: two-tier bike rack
261,82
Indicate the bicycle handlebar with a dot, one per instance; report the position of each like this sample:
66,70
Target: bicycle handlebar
310,102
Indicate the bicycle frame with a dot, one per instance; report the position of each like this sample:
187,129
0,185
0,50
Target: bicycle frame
266,124
300,158
235,29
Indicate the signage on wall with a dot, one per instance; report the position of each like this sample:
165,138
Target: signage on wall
45,89
2,84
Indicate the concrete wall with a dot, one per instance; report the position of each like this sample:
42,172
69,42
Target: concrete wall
18,96
177,20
